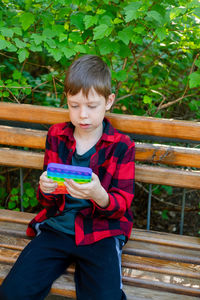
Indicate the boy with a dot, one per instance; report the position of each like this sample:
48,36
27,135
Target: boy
91,223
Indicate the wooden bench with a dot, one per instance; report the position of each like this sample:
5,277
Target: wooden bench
155,265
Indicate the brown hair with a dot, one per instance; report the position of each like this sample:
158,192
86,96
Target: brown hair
88,71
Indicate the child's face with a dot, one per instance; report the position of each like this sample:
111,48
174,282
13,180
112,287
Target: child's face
87,113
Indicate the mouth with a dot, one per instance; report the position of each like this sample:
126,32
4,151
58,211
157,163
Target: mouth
84,125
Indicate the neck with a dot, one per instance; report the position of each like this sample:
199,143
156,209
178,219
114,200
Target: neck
86,140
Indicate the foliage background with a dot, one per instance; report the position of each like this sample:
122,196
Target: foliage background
152,48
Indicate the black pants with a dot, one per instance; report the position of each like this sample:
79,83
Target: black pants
46,257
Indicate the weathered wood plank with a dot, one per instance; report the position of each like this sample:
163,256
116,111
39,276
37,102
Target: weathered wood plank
65,286
130,275
22,137
171,155
127,123
12,218
33,113
162,252
19,158
143,173
166,239
167,176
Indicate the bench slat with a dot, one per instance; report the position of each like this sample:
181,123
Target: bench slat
22,137
165,239
20,158
129,262
169,155
160,266
10,248
145,265
64,286
130,275
8,217
162,252
127,123
143,173
179,156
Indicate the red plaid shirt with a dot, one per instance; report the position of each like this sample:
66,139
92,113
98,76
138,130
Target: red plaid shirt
113,162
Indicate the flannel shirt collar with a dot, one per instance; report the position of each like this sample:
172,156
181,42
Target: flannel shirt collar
108,132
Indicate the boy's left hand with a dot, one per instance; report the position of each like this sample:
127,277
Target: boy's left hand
90,190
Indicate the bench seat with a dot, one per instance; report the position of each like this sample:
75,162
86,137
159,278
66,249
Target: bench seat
153,263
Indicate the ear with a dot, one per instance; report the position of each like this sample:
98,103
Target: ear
110,101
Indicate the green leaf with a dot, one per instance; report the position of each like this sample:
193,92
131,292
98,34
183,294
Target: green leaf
68,52
17,30
48,33
19,43
11,205
63,37
177,11
57,54
14,191
11,47
196,12
14,198
105,19
194,80
80,48
7,32
194,105
131,11
117,21
27,19
51,43
33,202
16,74
100,11
27,91
38,39
75,37
90,21
35,48
101,31
105,46
58,29
165,214
168,189
30,192
3,44
77,20
22,55
154,15
197,63
2,178
25,204
161,33
126,34
147,100
124,50
5,94
121,75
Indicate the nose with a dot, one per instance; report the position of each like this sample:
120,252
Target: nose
83,112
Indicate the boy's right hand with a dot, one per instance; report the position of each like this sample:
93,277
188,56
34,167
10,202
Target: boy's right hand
47,185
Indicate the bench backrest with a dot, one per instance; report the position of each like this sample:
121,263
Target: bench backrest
156,163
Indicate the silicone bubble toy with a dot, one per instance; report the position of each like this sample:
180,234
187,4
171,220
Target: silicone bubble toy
58,172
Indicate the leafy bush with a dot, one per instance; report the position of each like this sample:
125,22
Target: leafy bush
152,48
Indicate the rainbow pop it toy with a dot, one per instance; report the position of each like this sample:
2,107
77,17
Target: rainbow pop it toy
58,172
